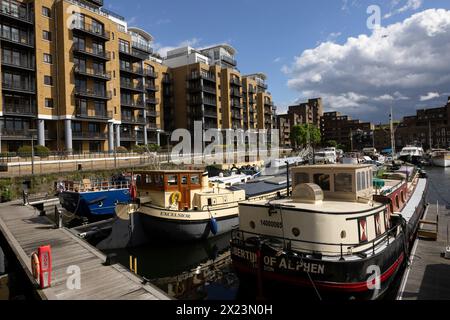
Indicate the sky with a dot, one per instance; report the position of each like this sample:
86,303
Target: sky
363,57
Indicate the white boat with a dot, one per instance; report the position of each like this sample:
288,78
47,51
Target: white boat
351,158
412,154
441,159
326,156
228,181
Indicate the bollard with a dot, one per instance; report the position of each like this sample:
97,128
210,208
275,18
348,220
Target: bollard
58,218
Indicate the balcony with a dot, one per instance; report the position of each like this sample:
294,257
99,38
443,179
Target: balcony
128,135
152,100
152,113
167,80
236,82
19,110
151,73
132,104
132,70
235,93
262,85
93,94
135,55
202,75
133,120
151,87
210,114
236,116
236,104
153,126
137,87
28,43
19,13
229,60
8,134
93,114
22,65
96,2
88,135
88,72
19,87
103,55
142,47
91,30
211,90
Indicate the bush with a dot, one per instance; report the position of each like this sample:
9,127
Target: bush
153,147
41,151
138,149
121,149
6,194
24,151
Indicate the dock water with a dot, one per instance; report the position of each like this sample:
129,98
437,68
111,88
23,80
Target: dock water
428,276
25,231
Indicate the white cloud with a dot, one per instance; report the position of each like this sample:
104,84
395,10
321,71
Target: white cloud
409,5
430,96
369,73
277,59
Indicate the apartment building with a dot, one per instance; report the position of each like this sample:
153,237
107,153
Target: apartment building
349,133
283,123
306,113
76,77
429,128
209,88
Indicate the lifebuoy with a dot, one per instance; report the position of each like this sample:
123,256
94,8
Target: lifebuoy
35,265
179,289
175,197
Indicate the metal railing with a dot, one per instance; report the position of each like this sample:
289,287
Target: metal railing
151,87
20,110
133,119
143,47
133,53
93,114
235,81
132,86
90,51
28,65
151,73
131,103
93,73
89,135
90,93
91,29
133,69
85,186
30,88
22,41
16,14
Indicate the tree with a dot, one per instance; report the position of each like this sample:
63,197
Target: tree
305,134
332,144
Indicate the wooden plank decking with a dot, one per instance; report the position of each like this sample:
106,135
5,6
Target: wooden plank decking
25,231
428,277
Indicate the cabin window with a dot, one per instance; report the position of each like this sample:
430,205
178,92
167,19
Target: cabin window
360,182
403,197
397,202
148,179
172,180
323,181
301,178
195,179
184,180
343,182
159,179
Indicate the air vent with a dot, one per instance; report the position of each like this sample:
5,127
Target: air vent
308,193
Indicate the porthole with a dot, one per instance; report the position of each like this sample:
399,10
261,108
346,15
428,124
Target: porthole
252,225
100,204
296,232
343,234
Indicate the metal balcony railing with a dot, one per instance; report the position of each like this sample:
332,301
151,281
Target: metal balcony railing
89,135
235,81
133,119
132,86
19,87
92,30
19,110
151,73
143,47
93,114
15,10
151,87
26,65
94,94
133,53
133,69
102,54
132,104
93,73
151,100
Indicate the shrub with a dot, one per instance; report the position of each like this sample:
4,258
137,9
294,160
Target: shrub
138,149
6,194
24,151
121,149
41,151
153,147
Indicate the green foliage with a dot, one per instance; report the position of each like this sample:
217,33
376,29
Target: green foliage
153,147
332,144
303,135
41,151
121,149
24,151
138,149
6,194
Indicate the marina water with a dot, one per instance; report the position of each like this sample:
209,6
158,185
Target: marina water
202,270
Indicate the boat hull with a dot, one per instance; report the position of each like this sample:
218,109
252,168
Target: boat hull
95,203
187,225
442,162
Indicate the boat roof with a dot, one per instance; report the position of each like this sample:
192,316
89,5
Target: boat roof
262,186
336,166
337,207
169,171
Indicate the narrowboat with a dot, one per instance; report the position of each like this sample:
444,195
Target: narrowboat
341,235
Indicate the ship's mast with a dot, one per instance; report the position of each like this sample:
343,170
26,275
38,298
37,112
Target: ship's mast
392,133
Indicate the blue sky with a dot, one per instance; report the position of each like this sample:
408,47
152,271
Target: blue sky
269,35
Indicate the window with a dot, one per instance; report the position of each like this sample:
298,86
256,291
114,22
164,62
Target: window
46,12
323,181
49,103
359,181
301,178
343,182
184,180
148,178
195,179
47,35
47,58
172,180
48,80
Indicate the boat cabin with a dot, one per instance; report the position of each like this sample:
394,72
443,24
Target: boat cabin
164,188
338,182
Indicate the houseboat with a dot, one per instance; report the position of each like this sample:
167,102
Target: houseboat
94,199
342,233
441,158
185,206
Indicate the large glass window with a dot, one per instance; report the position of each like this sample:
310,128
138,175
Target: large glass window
343,182
301,178
172,180
323,181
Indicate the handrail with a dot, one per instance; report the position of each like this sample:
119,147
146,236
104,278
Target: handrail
80,186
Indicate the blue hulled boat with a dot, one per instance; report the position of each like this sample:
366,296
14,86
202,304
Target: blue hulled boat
94,199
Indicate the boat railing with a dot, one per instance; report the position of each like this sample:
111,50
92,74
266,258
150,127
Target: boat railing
341,251
89,186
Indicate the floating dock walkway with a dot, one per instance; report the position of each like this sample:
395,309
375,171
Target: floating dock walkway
428,276
25,230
